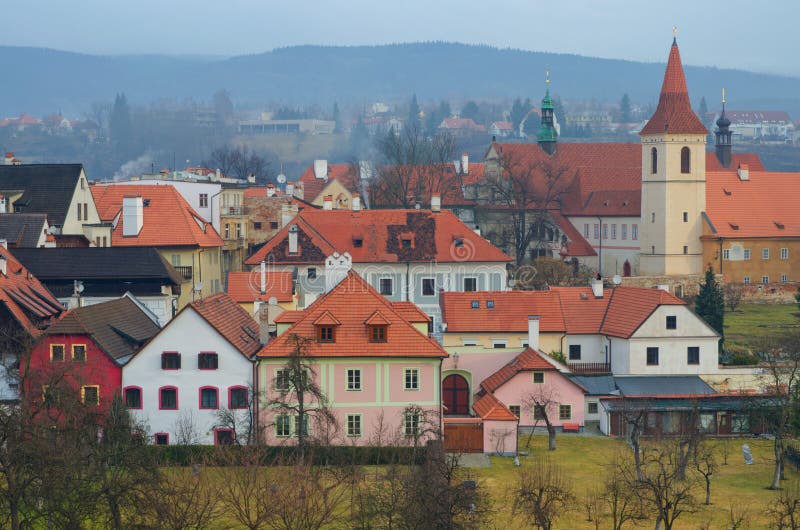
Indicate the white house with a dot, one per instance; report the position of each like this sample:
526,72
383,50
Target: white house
196,370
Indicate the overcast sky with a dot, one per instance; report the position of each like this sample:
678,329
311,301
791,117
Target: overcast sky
745,34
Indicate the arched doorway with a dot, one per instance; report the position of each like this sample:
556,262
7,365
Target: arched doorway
626,268
455,395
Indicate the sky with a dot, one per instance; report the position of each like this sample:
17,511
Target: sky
742,34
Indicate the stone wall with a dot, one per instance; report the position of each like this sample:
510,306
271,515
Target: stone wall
682,285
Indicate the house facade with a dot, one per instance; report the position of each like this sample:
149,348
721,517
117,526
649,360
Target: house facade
193,382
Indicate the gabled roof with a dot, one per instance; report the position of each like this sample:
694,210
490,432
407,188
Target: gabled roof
528,361
384,236
351,303
583,313
411,312
46,188
346,174
674,113
118,327
28,301
629,307
758,116
509,314
22,230
230,321
576,243
168,219
488,407
245,287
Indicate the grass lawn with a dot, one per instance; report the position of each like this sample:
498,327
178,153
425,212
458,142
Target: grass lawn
753,322
584,460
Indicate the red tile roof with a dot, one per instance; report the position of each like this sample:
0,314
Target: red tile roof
383,236
230,321
168,219
583,313
245,287
510,312
504,125
488,407
674,113
351,303
28,301
752,160
411,312
629,307
346,174
289,317
527,361
576,243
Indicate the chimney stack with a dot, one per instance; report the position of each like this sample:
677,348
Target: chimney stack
597,287
293,239
132,216
327,202
436,202
2,204
290,189
251,178
464,164
356,202
533,332
263,278
270,190
321,169
743,172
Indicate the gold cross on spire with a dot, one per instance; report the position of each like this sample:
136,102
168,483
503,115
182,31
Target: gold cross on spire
547,75
723,95
675,31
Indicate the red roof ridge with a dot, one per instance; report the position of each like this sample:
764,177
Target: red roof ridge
488,407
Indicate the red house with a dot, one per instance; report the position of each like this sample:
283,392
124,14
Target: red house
86,349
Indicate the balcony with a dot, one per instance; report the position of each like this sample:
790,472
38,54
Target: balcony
590,368
185,271
232,211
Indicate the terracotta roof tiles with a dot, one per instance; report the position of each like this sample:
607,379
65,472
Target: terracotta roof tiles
488,407
230,321
28,301
527,361
509,314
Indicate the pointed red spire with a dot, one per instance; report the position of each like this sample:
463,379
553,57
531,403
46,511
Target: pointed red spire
674,113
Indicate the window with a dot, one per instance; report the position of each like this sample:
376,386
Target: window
693,355
672,322
377,333
227,231
458,242
634,232
747,253
354,379
257,225
469,342
726,254
605,231
176,260
208,361
686,165
498,344
385,286
162,438
237,397
740,423
475,304
90,395
238,230
170,360
325,334
784,253
538,378
765,279
80,211
224,436
624,231
764,253
354,425
283,427
652,217
168,398
592,407
784,278
405,242
515,410
86,211
596,231
428,286
470,285
685,217
653,160
746,280
489,304
652,356
574,352
282,380
685,249
203,200
613,231
411,424
301,425
209,398
311,273
133,397
57,353
411,379
539,412
273,225
565,412
586,230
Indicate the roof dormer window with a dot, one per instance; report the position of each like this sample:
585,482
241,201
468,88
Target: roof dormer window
377,333
325,334
458,242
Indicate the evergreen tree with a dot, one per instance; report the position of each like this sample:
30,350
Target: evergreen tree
336,118
625,109
710,304
703,109
413,113
470,110
120,129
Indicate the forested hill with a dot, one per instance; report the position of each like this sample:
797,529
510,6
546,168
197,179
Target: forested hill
40,81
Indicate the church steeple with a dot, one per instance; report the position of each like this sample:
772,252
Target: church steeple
723,135
547,132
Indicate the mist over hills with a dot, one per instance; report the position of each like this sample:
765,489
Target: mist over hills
41,81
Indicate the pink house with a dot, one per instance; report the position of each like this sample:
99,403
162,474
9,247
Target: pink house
372,359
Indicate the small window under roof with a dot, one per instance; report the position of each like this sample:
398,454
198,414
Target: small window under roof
475,304
490,304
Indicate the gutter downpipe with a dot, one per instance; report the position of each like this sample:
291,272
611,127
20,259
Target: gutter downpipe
600,254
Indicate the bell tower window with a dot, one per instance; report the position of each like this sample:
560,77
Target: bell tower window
653,160
685,160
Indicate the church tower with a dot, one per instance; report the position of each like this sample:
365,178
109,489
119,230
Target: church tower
547,131
723,135
673,180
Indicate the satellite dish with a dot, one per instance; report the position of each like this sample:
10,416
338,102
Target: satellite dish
617,279
281,178
79,286
272,301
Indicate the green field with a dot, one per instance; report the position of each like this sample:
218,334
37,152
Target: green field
752,323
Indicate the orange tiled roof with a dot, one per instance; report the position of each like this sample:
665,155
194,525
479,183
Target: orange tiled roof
411,312
350,304
245,287
288,317
674,113
629,307
510,312
583,313
346,174
576,243
529,360
230,321
488,407
379,236
28,301
168,219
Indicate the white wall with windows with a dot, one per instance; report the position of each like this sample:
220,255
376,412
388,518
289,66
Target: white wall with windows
615,238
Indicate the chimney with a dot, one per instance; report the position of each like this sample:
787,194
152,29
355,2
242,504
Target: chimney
743,172
4,243
2,204
286,215
270,190
327,202
597,288
464,164
251,178
293,239
218,173
436,202
356,202
263,278
321,169
132,216
533,332
290,189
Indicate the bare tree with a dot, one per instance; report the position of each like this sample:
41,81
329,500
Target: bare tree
238,161
182,499
554,272
544,405
622,501
542,493
785,511
246,488
705,463
733,295
243,421
306,498
186,431
738,518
